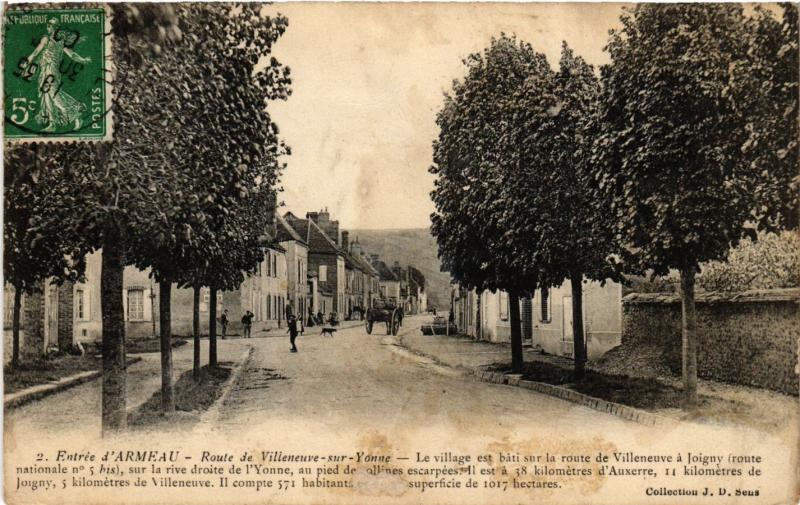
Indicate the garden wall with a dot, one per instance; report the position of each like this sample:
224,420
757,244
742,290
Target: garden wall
748,338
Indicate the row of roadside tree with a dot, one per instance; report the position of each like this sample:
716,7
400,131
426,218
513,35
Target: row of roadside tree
685,144
187,188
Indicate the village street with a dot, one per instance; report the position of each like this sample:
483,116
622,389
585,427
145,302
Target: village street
353,379
362,381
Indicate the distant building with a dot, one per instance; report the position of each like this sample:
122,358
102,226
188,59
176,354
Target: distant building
389,284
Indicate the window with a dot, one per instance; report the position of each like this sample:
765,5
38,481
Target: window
269,306
80,305
274,265
503,306
544,317
323,273
135,305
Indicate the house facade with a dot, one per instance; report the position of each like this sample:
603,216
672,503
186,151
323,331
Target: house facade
325,258
388,283
296,268
546,318
71,313
264,293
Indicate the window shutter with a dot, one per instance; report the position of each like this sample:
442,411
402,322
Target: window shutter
125,304
148,305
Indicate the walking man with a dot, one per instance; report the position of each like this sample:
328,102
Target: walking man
292,321
223,321
247,323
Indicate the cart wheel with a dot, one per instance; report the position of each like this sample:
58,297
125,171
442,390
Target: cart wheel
395,323
369,327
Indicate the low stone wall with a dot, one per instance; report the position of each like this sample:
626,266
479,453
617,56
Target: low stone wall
749,338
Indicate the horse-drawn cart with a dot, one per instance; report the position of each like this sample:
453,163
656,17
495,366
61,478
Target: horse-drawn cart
385,311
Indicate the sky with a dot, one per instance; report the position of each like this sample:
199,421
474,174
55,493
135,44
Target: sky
368,80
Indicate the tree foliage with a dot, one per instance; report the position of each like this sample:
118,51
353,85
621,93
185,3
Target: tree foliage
35,247
572,232
771,107
672,132
478,167
772,261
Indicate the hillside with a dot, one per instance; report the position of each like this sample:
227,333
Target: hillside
415,247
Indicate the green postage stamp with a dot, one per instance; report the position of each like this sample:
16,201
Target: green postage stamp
57,75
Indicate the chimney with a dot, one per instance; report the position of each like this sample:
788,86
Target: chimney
356,248
324,216
314,216
346,241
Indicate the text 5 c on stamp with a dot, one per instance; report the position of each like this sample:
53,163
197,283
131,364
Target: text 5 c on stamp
57,77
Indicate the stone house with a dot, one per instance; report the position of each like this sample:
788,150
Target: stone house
325,258
389,284
370,277
296,268
71,313
546,318
264,293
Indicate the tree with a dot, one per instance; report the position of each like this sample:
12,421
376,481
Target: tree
35,248
573,235
477,161
235,181
119,182
673,128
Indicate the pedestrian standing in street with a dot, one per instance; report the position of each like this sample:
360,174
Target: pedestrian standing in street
247,323
223,321
292,332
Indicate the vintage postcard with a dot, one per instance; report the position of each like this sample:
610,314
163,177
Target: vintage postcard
400,253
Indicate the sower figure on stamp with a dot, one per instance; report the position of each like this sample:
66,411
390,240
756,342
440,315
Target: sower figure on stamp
223,322
247,323
292,332
58,108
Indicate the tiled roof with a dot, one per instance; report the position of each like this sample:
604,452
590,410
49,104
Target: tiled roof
286,231
315,238
364,265
385,272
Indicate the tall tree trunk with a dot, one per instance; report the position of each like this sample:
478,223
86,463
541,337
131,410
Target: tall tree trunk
15,328
689,337
196,332
516,333
212,328
165,322
578,340
114,397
